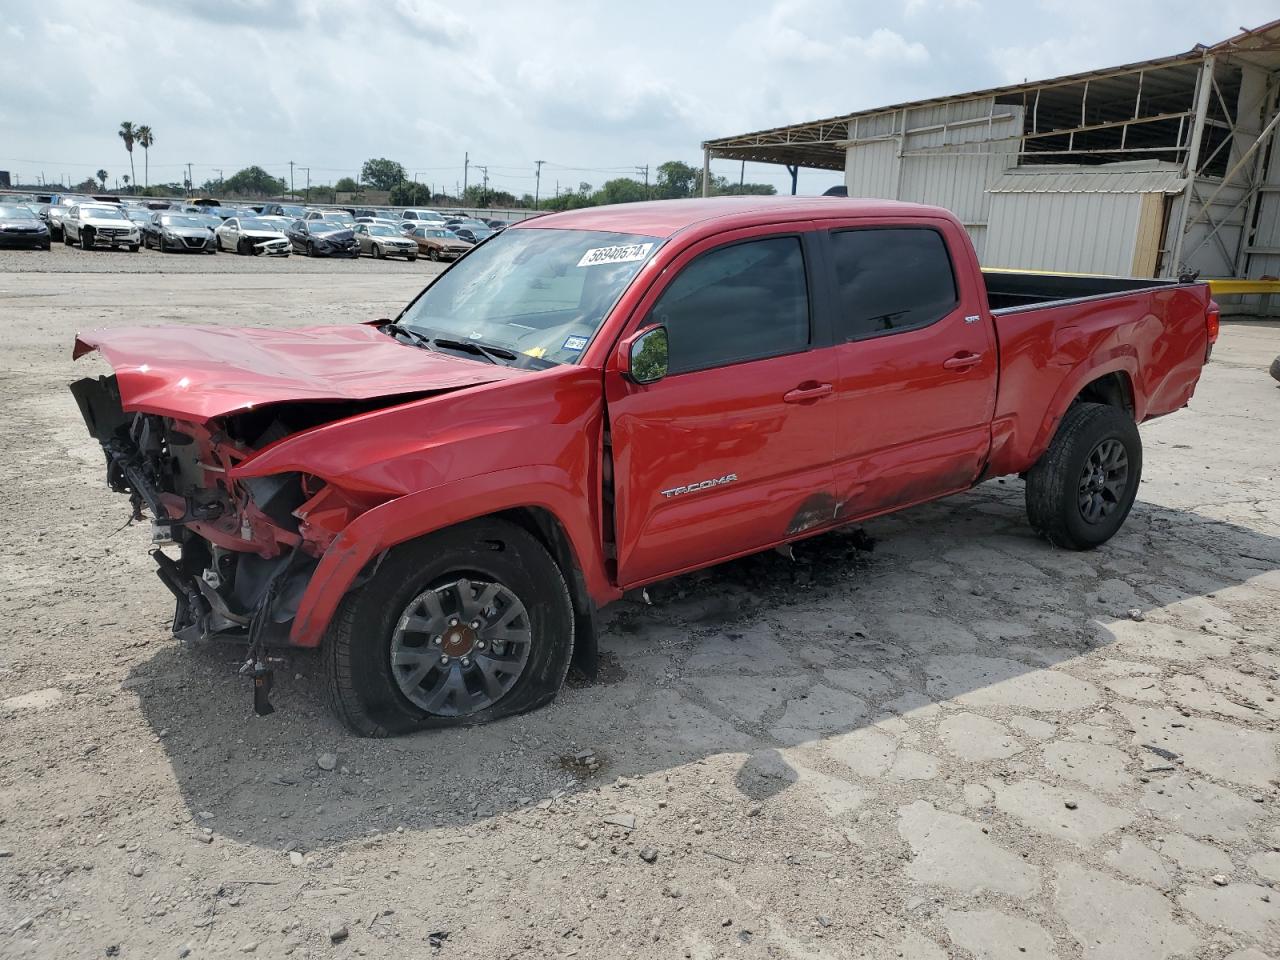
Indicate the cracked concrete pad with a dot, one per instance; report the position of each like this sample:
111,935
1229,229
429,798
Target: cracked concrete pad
1141,688
676,725
1093,764
753,650
920,631
1139,862
837,796
1248,954
1000,567
822,710
873,753
1043,808
997,630
976,795
976,738
1114,920
1033,728
992,935
1247,689
750,698
912,706
1201,808
1237,907
1266,865
1114,595
871,684
1138,639
1193,693
1188,854
1223,750
952,851
997,682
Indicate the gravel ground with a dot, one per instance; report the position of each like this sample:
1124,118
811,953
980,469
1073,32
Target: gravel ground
959,744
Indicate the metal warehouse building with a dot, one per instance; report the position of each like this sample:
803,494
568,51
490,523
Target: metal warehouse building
1151,169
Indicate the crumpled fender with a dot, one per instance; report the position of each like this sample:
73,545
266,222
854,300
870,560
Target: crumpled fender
406,518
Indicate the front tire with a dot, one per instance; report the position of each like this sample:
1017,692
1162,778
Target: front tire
377,252
1081,490
485,596
85,244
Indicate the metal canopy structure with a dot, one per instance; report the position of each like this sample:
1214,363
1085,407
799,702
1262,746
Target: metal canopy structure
1210,113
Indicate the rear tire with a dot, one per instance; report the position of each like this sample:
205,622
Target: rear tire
369,694
1081,490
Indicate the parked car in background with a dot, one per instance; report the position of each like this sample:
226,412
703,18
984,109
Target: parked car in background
332,216
418,213
100,224
437,243
473,233
173,232
20,227
291,210
497,225
58,209
139,215
383,240
250,236
323,238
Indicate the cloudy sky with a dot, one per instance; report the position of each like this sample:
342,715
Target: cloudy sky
595,89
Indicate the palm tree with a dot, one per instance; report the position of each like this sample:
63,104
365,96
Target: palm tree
125,178
129,135
102,178
145,139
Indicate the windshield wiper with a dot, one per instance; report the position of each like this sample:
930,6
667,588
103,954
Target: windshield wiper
493,354
418,338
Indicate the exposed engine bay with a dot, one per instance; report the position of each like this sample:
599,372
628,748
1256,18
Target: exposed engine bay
246,547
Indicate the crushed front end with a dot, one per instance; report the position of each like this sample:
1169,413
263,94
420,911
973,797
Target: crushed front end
237,554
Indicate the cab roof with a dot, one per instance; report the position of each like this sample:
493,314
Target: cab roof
665,218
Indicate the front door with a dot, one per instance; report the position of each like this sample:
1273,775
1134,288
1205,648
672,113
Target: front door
731,451
917,359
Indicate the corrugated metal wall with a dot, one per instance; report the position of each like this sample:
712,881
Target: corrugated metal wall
961,162
1075,232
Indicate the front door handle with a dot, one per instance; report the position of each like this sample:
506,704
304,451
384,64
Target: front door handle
807,392
963,361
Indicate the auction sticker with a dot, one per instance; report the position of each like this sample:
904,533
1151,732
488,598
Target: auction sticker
574,344
622,253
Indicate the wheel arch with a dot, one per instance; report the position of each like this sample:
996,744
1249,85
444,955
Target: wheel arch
1110,382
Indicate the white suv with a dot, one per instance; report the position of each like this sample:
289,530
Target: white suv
103,224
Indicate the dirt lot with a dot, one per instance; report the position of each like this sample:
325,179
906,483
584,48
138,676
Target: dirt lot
961,743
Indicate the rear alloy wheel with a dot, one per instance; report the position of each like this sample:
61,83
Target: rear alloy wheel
1080,492
462,626
377,251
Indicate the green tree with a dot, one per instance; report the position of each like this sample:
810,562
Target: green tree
381,174
145,138
409,193
129,135
676,180
102,178
254,182
346,185
621,190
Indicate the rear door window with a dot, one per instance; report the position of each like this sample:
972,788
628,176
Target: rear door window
742,302
890,281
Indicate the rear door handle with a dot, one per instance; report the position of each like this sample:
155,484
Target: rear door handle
807,393
962,362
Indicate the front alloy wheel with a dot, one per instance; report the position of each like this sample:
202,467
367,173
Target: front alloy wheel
460,647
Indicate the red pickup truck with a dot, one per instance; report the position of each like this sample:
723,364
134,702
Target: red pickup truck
591,401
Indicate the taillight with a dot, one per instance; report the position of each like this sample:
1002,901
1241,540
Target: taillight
1212,319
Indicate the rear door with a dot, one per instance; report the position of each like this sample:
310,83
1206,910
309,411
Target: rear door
917,362
732,450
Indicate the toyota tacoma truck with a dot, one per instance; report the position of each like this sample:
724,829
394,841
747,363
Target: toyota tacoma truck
596,400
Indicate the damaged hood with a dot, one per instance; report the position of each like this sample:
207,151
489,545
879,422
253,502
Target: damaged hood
199,372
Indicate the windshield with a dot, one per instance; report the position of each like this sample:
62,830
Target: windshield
381,230
424,232
339,218
540,292
325,226
252,223
16,213
101,213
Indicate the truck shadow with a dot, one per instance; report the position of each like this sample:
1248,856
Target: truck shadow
767,659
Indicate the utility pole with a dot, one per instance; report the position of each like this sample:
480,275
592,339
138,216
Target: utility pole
537,180
292,195
190,179
466,168
308,169
484,190
219,173
742,175
644,172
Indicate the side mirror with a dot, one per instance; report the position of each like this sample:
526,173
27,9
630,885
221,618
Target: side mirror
644,355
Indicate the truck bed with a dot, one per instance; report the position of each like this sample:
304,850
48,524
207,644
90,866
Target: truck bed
1010,290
